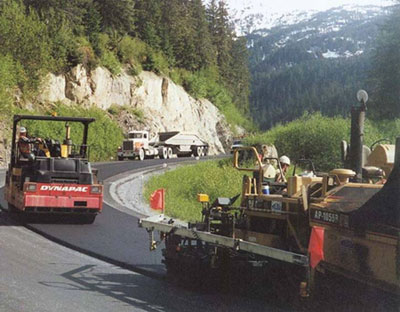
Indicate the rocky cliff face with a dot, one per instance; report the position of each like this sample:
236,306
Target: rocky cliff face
165,105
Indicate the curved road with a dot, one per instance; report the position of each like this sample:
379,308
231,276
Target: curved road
37,274
115,235
40,275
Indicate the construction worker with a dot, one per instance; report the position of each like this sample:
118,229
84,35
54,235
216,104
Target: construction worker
25,144
285,164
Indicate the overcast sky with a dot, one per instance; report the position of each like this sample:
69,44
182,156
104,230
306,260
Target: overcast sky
302,5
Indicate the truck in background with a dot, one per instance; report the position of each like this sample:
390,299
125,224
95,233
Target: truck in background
166,144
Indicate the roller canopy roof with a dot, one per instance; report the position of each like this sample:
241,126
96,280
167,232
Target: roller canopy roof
53,118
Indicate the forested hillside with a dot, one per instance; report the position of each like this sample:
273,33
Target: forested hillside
384,78
318,64
193,44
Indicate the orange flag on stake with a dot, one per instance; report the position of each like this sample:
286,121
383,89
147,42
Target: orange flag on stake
157,200
316,246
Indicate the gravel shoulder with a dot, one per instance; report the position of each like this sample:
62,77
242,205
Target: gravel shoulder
125,191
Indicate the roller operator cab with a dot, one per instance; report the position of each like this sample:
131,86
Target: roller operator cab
46,176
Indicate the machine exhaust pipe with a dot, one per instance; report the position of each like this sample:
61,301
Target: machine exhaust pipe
357,135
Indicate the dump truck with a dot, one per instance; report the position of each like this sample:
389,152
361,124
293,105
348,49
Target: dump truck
165,145
340,223
52,177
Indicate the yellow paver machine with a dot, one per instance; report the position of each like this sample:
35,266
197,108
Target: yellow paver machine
345,222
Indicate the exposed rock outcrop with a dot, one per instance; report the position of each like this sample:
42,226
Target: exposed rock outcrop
165,105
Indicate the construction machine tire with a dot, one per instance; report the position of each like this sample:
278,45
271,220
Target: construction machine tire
85,219
190,274
90,219
12,208
141,154
169,152
164,153
197,151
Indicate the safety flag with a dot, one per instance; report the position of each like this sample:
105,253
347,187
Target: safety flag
316,246
157,200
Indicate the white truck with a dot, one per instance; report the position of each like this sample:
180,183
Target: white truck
164,145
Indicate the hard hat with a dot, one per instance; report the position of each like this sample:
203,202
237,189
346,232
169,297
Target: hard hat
284,160
22,130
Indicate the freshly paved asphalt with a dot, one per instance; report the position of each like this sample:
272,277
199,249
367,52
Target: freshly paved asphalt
37,274
114,236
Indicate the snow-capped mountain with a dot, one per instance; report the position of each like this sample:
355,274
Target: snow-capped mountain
245,23
314,61
249,16
339,32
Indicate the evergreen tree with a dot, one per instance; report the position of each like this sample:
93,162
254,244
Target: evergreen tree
73,10
239,81
93,22
206,53
177,21
211,15
118,15
385,76
222,35
148,21
24,36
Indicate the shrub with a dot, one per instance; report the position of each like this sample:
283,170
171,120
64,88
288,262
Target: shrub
110,61
63,42
132,50
318,138
135,70
205,84
8,80
115,109
179,75
313,137
155,61
389,129
25,37
83,54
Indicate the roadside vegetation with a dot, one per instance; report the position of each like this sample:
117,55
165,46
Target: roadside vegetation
312,137
215,178
317,137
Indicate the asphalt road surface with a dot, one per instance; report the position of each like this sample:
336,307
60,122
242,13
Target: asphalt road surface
115,235
37,274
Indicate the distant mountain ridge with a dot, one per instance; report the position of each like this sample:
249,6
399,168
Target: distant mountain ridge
312,61
257,16
345,30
